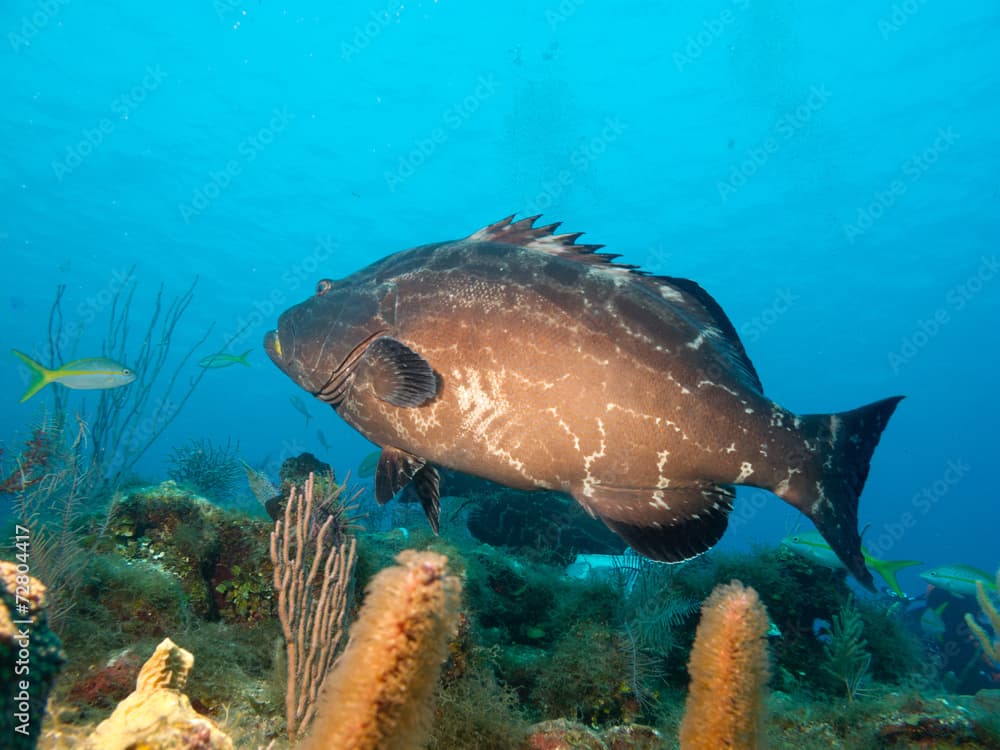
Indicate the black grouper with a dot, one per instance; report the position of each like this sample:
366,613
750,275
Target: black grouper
517,355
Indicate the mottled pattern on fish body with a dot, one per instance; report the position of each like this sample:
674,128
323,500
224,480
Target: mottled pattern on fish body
556,368
565,376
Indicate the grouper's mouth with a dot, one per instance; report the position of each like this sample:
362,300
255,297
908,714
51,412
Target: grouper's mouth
272,345
283,352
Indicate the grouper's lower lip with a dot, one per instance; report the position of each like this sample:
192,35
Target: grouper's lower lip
272,345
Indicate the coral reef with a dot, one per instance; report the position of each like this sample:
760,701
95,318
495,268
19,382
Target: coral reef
847,651
729,672
30,656
534,643
585,678
461,722
379,692
210,469
158,715
295,472
30,466
218,557
560,734
50,497
907,721
111,683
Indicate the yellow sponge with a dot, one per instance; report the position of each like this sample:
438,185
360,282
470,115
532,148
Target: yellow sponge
379,694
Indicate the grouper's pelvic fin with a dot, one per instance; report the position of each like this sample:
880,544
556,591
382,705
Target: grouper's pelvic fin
825,480
397,470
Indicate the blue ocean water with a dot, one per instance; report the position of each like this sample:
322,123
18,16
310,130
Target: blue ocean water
828,172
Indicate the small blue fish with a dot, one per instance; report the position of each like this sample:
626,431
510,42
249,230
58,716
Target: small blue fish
822,630
300,407
322,440
91,373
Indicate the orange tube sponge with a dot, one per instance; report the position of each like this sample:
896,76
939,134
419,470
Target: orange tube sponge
379,694
729,672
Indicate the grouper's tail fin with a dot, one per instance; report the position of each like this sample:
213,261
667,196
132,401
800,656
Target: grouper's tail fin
826,479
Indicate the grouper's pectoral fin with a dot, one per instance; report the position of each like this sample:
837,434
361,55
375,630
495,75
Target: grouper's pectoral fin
669,525
396,373
396,469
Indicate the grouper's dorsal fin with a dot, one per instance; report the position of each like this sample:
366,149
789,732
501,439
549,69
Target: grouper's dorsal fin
710,314
684,294
523,234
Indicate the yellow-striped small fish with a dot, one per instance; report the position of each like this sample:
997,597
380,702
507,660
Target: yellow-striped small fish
215,361
812,545
959,579
91,373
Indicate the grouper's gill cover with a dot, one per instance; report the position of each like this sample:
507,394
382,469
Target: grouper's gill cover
520,356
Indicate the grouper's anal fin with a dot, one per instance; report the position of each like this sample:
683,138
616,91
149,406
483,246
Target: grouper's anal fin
398,468
671,525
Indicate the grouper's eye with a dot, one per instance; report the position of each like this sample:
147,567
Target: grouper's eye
323,286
